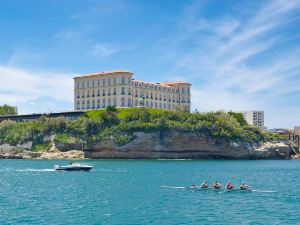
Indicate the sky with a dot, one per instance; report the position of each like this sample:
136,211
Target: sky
238,55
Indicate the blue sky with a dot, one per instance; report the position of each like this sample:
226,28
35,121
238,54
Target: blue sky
239,55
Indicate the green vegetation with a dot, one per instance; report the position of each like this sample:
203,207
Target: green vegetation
8,110
120,125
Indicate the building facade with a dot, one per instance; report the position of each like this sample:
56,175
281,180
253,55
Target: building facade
255,118
118,88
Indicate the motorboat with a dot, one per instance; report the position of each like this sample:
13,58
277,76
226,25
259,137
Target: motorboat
74,167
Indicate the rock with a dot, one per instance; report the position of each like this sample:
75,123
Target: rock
69,155
26,145
297,157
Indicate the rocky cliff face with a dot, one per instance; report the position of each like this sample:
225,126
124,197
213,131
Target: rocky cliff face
157,145
185,146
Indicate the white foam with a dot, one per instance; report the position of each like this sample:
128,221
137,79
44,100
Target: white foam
35,170
263,191
173,187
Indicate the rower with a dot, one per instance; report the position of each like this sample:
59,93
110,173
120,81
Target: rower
229,185
244,186
204,185
194,186
217,185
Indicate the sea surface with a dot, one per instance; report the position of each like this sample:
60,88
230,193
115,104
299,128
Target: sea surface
149,192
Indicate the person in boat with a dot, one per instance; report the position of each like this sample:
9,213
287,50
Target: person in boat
194,186
204,185
243,186
217,185
229,186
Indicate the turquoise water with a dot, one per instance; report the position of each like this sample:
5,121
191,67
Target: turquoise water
130,192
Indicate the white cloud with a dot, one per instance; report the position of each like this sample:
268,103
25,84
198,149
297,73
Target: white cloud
103,50
234,57
35,91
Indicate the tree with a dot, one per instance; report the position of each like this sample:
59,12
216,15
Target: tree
6,110
239,117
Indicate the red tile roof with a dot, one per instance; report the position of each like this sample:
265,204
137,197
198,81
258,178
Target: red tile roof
103,73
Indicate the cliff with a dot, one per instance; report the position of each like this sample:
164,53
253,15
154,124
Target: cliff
157,145
160,145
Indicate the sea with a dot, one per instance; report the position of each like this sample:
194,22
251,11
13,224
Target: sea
149,192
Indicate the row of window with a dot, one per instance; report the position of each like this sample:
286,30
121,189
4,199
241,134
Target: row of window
93,93
156,96
103,82
182,90
97,105
123,81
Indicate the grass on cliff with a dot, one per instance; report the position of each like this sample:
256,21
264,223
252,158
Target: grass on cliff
119,126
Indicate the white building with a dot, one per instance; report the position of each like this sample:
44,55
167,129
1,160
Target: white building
255,118
118,88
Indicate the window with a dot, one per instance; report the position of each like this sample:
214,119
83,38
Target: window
136,93
123,91
122,102
129,80
182,99
88,94
151,104
114,102
103,103
136,103
98,93
83,104
88,84
88,104
165,106
115,91
98,83
103,92
78,84
129,92
82,94
109,102
103,82
78,94
160,105
93,104
82,84
98,103
108,91
151,96
155,104
115,80
93,95
129,102
123,80
78,105
93,83
147,104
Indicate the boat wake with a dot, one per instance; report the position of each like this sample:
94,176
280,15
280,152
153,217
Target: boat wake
35,170
220,190
173,187
264,191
